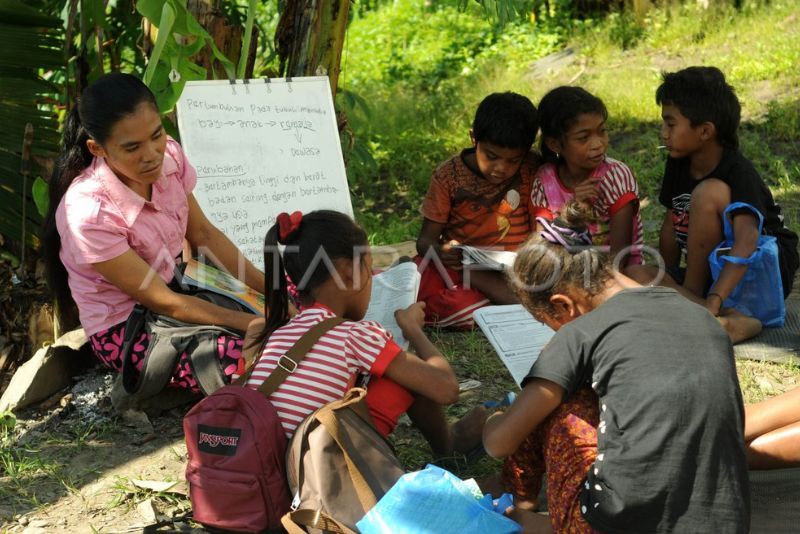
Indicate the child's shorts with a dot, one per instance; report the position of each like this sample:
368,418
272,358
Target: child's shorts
448,304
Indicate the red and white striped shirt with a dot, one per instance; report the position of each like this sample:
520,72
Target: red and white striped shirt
616,188
325,374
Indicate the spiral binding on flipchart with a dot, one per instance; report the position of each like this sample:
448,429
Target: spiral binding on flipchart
267,83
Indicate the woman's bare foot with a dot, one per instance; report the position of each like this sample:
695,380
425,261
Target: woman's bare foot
738,326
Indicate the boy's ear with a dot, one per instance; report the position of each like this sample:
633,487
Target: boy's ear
472,137
707,131
95,148
553,144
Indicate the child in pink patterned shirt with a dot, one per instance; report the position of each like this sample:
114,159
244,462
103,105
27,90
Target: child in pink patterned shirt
574,143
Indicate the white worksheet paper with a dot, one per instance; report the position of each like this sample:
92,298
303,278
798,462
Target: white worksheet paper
515,335
392,290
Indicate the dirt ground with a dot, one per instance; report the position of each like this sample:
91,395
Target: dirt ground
80,470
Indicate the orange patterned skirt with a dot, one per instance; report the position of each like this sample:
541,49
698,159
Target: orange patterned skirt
564,447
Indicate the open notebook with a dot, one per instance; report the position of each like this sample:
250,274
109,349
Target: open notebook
392,290
517,337
204,276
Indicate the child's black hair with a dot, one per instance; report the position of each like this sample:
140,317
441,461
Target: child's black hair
702,95
506,119
560,108
322,235
101,105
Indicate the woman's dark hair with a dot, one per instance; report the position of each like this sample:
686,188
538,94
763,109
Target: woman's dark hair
543,268
702,95
101,105
322,235
559,110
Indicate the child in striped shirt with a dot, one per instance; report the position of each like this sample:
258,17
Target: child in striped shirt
327,257
574,142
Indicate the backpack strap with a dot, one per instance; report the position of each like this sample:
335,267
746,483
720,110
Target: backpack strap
134,326
289,361
317,519
203,361
327,418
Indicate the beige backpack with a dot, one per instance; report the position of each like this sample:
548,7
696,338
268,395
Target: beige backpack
338,467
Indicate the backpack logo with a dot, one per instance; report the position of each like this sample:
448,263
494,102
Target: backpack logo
216,440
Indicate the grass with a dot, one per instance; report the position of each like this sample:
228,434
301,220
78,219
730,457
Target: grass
33,471
471,357
126,493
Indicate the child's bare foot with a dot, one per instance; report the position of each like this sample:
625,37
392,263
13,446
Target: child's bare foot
467,432
738,326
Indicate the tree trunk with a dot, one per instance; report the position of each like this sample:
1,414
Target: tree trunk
310,38
227,37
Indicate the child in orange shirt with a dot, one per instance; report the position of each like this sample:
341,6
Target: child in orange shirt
481,198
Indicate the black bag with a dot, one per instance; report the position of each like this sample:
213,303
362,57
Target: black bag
169,339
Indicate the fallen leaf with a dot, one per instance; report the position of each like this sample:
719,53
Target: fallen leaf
154,485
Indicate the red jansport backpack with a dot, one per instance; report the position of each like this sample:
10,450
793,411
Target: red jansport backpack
237,450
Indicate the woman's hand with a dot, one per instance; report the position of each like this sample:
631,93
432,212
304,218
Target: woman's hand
133,276
208,239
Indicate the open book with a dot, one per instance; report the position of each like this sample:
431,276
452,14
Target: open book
392,290
496,260
205,276
517,337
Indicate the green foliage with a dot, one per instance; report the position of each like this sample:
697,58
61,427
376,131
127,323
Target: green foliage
783,120
30,42
40,195
418,73
624,30
51,49
170,57
406,42
422,89
7,423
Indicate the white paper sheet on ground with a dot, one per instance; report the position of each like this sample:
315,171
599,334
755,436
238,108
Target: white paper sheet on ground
392,290
517,337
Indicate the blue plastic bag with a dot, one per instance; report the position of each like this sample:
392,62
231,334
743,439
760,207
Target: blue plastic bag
434,501
760,292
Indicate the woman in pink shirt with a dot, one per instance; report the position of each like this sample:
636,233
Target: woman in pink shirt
121,205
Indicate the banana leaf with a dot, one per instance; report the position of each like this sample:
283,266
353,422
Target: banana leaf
31,43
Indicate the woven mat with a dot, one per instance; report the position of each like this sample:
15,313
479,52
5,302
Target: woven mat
775,501
779,345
